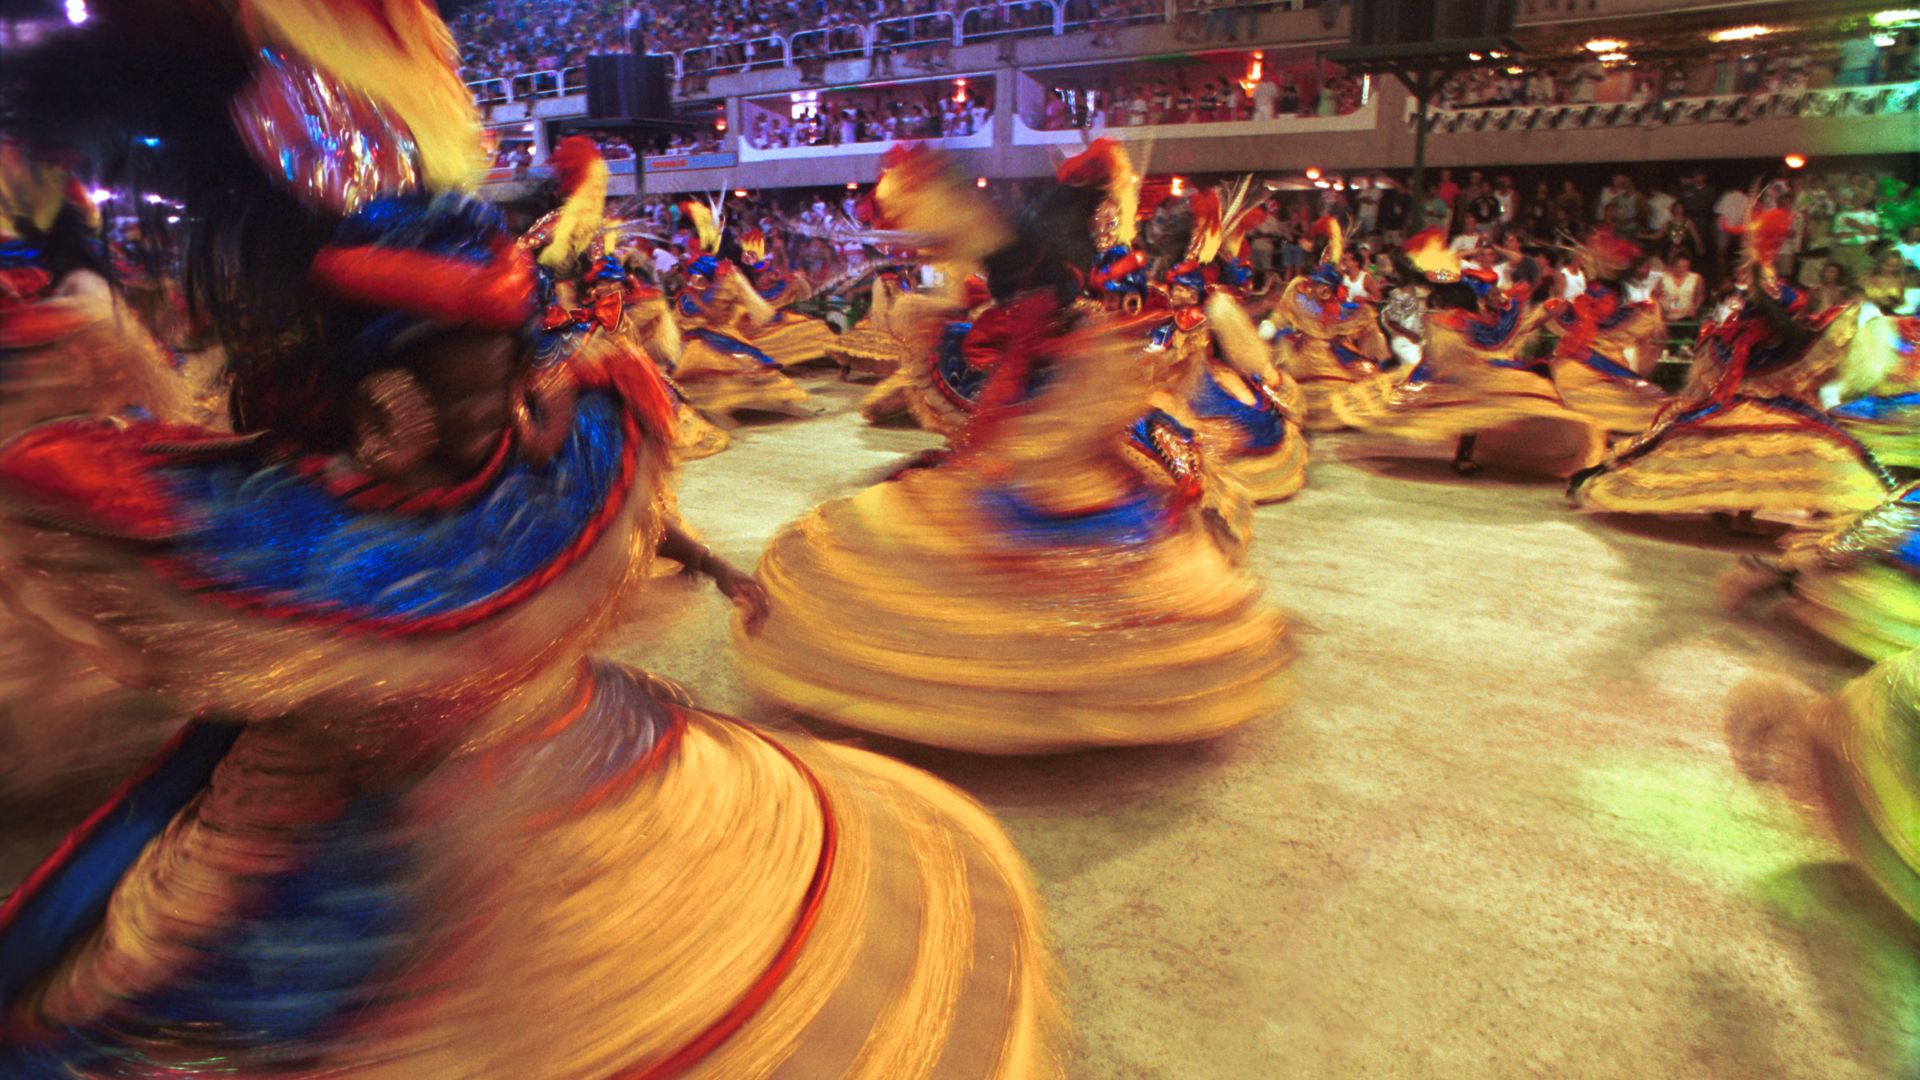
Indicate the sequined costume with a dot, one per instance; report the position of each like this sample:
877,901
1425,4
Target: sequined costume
416,832
1748,434
1326,341
786,336
1034,591
720,370
1605,345
68,344
1885,412
1471,381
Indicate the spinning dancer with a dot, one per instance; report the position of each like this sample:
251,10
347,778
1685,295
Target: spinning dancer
1606,344
788,337
68,344
607,299
1885,416
1471,388
416,832
719,371
1328,341
1748,434
1035,591
1866,757
875,347
1211,371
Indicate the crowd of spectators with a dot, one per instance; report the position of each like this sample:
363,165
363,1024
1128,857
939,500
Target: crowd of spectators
1755,72
1202,100
1854,234
505,39
894,118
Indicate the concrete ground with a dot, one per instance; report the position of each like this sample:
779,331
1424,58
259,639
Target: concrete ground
1499,832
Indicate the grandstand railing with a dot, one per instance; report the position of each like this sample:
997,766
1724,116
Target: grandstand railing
1835,101
983,22
831,42
910,31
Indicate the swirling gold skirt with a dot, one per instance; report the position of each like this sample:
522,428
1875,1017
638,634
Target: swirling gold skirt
1867,757
795,339
719,384
748,906
1846,585
1894,439
869,352
903,610
1744,458
1521,418
694,437
1622,406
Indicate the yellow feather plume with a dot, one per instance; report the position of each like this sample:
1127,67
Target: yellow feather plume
581,217
701,218
920,193
397,52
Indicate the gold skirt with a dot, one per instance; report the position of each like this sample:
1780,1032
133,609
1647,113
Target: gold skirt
793,339
1318,393
718,383
694,437
1520,419
1894,439
869,352
1622,406
904,610
1847,585
1867,758
747,906
1744,458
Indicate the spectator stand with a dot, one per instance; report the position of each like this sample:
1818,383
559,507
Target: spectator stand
952,112
1205,96
1892,99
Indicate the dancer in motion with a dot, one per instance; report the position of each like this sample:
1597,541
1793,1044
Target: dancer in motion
69,343
1471,388
606,298
1605,345
874,348
1866,758
787,336
1748,433
1035,591
1328,341
1211,370
416,832
1884,411
719,370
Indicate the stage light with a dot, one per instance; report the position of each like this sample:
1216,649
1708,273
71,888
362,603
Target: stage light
1516,71
1612,57
1796,161
149,141
853,185
100,195
1313,172
1177,188
1896,16
1884,41
173,219
1739,33
1475,56
980,182
77,11
1605,45
959,91
154,200
739,193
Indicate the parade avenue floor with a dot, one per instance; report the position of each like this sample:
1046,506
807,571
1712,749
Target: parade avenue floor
1501,830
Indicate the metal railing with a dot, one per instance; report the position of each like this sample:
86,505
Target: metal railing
1009,18
1827,102
984,22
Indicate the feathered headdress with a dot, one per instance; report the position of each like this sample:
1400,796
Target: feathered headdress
34,190
1208,228
581,174
706,231
1238,216
396,52
753,248
1607,256
1104,165
1428,253
919,193
1765,232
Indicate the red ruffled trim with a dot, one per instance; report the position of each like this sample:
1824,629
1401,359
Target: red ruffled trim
776,970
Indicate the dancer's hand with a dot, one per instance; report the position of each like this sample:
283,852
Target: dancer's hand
746,594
